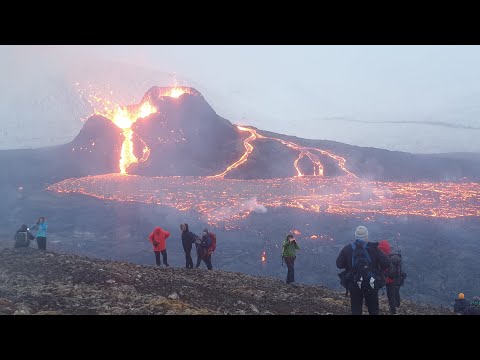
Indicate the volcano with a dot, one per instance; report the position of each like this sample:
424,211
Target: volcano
173,131
182,135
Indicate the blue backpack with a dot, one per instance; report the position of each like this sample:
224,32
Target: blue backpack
364,275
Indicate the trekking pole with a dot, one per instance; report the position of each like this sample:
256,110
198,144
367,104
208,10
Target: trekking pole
396,242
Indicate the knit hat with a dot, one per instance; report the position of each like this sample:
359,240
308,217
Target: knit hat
461,296
361,233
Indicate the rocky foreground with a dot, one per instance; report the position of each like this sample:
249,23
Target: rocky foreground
34,282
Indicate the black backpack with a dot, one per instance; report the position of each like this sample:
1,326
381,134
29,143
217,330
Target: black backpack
21,239
364,276
396,269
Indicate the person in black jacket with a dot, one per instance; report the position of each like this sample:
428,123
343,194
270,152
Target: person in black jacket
188,239
460,303
23,237
359,284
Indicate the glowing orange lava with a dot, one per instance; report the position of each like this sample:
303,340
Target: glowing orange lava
227,201
175,92
303,151
125,116
248,151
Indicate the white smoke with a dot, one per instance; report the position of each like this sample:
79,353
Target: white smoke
255,206
228,212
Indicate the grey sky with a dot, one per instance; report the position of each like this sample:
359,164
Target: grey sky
410,98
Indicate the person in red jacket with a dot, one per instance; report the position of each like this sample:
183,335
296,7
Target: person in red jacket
158,238
393,289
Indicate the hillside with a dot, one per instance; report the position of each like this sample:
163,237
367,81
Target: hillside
33,282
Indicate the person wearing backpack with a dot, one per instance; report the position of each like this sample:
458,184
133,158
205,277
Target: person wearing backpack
158,238
23,237
394,276
290,248
188,239
41,235
364,265
206,247
460,304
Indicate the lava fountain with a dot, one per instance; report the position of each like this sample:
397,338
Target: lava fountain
125,116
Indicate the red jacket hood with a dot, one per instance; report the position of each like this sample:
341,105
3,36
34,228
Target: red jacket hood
384,245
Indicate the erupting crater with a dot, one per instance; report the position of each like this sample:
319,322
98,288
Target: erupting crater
188,158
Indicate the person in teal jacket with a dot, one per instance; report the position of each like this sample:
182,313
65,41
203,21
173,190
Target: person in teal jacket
41,235
290,248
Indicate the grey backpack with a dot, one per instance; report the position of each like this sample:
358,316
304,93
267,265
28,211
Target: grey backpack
21,239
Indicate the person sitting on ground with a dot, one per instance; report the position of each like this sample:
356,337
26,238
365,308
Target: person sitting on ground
460,303
474,307
23,237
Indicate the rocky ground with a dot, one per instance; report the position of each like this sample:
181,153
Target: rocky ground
34,282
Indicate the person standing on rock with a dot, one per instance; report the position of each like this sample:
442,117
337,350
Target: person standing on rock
395,276
365,265
290,248
158,238
188,239
460,303
204,249
41,235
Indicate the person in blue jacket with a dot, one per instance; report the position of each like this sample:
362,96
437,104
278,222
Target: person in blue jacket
41,235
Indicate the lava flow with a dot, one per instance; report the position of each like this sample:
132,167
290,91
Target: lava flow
125,116
303,151
220,200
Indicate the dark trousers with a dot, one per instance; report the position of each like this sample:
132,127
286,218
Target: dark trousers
356,301
290,261
393,295
188,257
207,259
42,243
164,255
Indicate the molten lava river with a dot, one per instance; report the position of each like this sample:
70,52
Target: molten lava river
221,200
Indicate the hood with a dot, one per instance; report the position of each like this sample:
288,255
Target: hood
23,228
158,230
360,241
384,245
